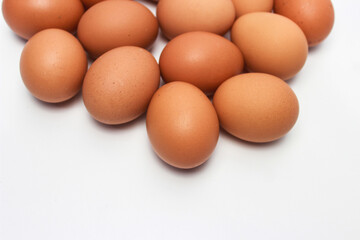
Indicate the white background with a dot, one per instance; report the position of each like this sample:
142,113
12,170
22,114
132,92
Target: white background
65,176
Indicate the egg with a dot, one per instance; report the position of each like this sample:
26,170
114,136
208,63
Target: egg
247,6
256,107
315,17
89,3
182,125
28,17
181,16
270,43
202,59
53,65
119,85
111,24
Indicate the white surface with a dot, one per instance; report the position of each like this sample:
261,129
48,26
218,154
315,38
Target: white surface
64,176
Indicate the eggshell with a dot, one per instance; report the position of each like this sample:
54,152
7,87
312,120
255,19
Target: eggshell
28,17
315,17
181,16
52,65
119,85
247,6
256,107
111,24
270,43
202,59
90,3
182,125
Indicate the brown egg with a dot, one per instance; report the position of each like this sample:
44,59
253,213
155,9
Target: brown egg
256,107
247,6
181,16
182,125
119,85
112,24
270,43
28,17
315,17
52,65
202,59
89,3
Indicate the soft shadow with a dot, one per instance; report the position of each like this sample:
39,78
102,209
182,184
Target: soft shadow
226,135
314,49
68,103
162,82
162,36
90,60
292,80
158,45
179,171
149,2
129,125
18,38
227,35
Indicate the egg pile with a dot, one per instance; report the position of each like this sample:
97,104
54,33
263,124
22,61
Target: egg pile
269,41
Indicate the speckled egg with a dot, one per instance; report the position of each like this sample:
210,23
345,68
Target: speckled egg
202,59
270,43
119,85
53,65
182,125
111,24
314,17
256,107
181,16
28,17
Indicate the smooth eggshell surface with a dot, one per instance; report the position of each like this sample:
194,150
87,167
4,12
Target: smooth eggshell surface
119,85
202,59
181,16
28,17
247,6
53,65
111,24
315,17
256,107
270,43
182,125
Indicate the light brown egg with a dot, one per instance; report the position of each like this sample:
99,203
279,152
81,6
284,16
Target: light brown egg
181,16
53,65
182,125
256,107
270,43
247,6
119,85
28,17
111,24
200,58
90,3
315,17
